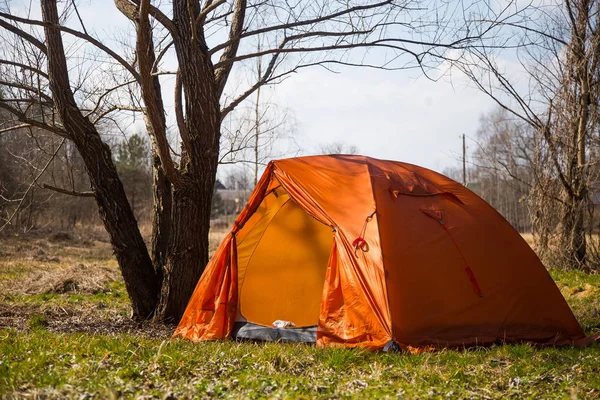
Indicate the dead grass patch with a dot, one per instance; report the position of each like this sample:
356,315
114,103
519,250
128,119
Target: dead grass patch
76,278
584,291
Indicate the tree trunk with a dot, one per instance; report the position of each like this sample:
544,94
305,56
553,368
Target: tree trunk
130,250
572,243
578,237
187,254
141,281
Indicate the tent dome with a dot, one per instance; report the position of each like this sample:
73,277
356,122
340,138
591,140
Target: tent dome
356,251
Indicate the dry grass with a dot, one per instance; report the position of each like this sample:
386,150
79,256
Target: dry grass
215,237
76,278
72,280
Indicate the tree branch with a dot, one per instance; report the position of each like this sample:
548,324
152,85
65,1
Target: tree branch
291,25
21,117
183,131
73,32
151,93
208,7
12,128
23,66
223,67
68,192
27,88
116,108
21,33
129,9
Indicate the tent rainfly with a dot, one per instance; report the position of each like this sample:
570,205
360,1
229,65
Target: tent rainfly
353,251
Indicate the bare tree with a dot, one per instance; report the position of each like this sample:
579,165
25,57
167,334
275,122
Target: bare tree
255,133
500,168
337,148
71,96
558,48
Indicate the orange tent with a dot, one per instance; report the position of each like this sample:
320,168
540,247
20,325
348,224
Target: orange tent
371,253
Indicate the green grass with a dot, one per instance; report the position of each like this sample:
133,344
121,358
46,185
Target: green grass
115,296
69,365
82,345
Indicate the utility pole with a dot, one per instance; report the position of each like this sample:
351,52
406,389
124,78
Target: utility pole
464,160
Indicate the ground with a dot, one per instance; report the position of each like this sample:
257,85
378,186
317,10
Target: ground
65,332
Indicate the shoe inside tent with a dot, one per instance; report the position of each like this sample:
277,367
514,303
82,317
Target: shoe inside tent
355,251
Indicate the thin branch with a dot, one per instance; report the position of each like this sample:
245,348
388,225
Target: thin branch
206,10
27,88
161,55
106,93
21,117
73,32
23,66
21,33
383,43
12,128
528,29
313,21
116,108
68,192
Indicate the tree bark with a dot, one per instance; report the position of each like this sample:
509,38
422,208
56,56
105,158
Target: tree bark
573,235
130,250
161,218
187,253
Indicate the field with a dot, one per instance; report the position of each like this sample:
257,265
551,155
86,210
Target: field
65,332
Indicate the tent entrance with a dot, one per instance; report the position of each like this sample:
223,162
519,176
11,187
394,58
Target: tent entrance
282,259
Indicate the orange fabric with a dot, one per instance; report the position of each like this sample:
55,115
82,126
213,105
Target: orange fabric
349,316
438,266
342,197
432,298
210,314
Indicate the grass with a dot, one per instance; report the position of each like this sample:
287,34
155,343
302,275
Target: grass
67,341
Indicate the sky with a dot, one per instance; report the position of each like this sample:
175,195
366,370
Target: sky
395,115
398,115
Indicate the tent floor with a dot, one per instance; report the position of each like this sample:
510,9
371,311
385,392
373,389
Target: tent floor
250,331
